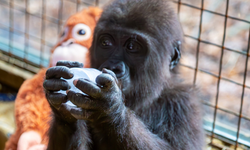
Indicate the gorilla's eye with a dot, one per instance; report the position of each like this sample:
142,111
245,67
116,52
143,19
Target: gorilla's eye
106,42
133,47
81,32
130,46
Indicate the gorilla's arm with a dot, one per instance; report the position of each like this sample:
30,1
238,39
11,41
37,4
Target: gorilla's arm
115,126
175,124
127,131
66,132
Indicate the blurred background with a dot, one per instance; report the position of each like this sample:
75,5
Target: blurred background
215,57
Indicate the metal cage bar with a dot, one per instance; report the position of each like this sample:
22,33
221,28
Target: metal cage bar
198,44
243,91
26,31
11,7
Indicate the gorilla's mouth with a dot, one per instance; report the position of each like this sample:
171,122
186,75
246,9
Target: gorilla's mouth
120,77
123,77
123,80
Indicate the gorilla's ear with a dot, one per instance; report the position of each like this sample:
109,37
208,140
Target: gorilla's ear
177,55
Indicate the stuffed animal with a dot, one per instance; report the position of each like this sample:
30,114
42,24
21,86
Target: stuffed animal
32,111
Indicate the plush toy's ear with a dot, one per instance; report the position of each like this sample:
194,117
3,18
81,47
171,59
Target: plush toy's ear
95,12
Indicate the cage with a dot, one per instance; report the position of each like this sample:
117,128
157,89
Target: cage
215,58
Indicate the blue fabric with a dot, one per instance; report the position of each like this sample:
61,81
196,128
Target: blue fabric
7,96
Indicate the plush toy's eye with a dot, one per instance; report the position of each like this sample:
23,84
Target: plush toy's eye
64,34
81,32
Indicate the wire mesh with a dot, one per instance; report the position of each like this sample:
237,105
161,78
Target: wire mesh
216,132
33,52
29,30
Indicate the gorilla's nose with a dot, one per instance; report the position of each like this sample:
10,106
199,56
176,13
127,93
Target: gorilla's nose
118,67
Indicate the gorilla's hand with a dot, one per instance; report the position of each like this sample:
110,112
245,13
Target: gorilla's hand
104,98
53,83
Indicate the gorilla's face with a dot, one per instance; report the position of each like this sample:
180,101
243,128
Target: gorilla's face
122,52
138,47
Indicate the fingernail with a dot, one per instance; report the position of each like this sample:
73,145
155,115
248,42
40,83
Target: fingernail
71,74
104,70
75,81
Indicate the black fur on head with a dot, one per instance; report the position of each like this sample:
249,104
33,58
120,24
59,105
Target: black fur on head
156,21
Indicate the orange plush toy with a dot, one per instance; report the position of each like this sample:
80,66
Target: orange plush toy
32,111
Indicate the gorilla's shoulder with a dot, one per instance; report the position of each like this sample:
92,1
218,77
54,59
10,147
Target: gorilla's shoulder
179,92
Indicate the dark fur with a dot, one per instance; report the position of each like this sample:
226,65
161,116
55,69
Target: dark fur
159,112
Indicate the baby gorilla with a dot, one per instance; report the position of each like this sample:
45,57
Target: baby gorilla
138,102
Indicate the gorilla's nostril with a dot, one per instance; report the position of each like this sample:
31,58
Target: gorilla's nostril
118,72
118,67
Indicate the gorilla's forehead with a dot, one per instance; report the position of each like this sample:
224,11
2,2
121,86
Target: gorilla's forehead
119,31
125,24
147,31
123,33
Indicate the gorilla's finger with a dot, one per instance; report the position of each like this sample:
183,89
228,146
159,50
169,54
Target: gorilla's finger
110,72
56,99
104,70
58,72
88,87
56,84
106,80
81,100
70,64
65,112
82,114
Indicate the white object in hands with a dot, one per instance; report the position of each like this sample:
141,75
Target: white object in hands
87,73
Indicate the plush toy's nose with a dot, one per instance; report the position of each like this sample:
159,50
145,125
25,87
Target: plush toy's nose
68,42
